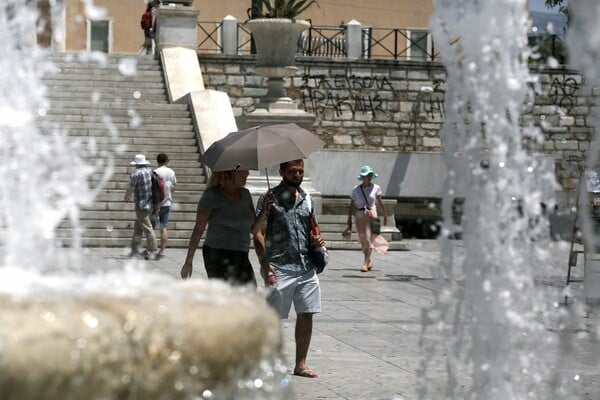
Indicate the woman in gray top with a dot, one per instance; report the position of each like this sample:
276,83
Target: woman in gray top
227,207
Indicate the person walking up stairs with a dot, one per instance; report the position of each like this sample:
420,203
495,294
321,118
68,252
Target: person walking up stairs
169,179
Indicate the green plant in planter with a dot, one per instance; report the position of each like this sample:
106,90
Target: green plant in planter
286,8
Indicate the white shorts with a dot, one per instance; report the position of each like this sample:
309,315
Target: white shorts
301,288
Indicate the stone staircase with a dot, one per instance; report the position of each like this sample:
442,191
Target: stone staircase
126,114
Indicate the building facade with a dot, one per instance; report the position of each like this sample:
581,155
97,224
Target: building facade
113,26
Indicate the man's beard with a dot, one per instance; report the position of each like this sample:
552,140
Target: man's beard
291,183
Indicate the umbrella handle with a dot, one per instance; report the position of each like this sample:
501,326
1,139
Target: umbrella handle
267,174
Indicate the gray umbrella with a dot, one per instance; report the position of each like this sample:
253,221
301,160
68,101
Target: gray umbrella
261,147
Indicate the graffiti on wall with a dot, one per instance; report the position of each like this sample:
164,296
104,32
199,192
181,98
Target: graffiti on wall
433,104
360,94
342,93
562,92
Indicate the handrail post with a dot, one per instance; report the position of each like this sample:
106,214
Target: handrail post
396,32
229,35
308,49
353,36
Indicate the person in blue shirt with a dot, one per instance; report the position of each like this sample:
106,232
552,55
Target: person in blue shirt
282,247
140,186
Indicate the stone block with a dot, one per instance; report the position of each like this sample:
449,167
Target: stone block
175,341
232,69
182,72
235,80
432,142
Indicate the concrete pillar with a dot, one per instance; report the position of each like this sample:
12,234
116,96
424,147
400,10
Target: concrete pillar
177,27
354,39
229,35
591,278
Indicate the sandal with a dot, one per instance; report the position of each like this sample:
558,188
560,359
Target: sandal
306,373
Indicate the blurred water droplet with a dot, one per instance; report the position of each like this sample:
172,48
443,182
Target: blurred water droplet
175,356
128,66
89,320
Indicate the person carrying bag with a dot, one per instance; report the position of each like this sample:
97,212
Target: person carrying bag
364,198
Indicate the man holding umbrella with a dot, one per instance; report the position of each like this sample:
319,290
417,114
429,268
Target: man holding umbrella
282,246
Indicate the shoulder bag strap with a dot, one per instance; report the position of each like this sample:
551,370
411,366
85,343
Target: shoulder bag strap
365,196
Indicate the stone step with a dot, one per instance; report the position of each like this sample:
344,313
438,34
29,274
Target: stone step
111,194
60,67
155,141
142,129
339,205
113,237
92,86
125,243
111,75
94,96
122,104
82,59
68,118
182,160
123,178
99,135
150,150
142,112
181,185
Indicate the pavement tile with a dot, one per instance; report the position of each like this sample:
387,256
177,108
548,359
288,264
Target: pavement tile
365,343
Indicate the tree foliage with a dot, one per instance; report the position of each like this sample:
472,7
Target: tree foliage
562,7
286,8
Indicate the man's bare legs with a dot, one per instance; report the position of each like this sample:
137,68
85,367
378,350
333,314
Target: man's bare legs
164,238
304,324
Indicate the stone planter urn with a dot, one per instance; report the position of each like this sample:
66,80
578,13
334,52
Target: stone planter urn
276,41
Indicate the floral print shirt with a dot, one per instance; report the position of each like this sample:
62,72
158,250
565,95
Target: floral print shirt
287,235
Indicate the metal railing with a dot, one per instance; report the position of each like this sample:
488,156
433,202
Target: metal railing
327,41
398,44
323,41
377,43
209,35
548,45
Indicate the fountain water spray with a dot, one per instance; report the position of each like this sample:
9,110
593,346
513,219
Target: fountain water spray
584,51
490,312
44,179
68,334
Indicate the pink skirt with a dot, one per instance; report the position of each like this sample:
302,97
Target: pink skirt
365,237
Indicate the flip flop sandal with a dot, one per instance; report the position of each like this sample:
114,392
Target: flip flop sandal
306,373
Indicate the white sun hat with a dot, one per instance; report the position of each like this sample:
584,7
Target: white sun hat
139,159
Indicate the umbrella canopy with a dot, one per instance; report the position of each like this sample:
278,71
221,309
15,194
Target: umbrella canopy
260,147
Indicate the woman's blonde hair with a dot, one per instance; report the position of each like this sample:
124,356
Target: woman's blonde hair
220,178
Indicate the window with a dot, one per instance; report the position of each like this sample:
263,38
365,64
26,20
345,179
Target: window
99,36
418,45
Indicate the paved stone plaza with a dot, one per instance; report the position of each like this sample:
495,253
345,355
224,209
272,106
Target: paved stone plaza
366,341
